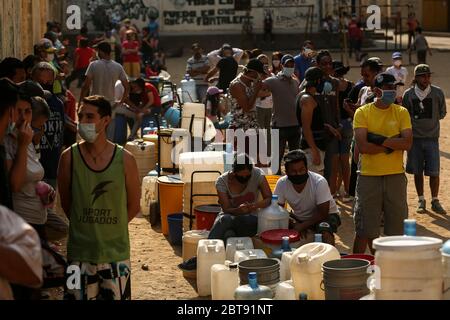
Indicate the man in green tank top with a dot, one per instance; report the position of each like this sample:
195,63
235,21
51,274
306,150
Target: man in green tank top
100,194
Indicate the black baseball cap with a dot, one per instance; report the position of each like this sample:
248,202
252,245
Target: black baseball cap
256,65
313,75
385,79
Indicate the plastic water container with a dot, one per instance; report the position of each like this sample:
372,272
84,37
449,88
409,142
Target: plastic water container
237,244
154,139
149,197
244,255
272,240
306,268
446,265
224,281
411,268
285,268
189,89
144,153
173,117
201,161
175,222
209,253
410,228
170,199
173,143
285,247
285,291
190,247
273,217
193,118
253,291
208,187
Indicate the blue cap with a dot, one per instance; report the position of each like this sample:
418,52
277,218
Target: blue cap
286,59
397,55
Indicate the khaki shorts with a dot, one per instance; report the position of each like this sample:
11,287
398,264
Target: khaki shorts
132,69
378,195
311,166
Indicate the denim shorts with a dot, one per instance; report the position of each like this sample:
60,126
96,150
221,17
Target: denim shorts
424,157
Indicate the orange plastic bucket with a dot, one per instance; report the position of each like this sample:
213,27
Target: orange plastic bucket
170,199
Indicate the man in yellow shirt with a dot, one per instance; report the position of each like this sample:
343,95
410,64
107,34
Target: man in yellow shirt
383,132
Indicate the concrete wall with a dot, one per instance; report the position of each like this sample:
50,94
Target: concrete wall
23,23
200,16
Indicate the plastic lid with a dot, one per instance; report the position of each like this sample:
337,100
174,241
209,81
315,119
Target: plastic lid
275,197
303,296
446,248
170,180
276,236
405,243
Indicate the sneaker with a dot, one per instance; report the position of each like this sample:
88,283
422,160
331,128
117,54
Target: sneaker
189,265
436,207
422,208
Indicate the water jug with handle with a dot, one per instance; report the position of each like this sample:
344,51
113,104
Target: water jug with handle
191,240
209,253
188,89
285,291
243,255
253,291
306,268
273,217
285,268
224,281
238,244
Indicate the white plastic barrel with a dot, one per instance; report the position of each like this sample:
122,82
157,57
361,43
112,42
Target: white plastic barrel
144,153
285,268
306,268
193,119
173,143
224,281
201,161
285,291
209,253
244,255
149,192
410,268
237,244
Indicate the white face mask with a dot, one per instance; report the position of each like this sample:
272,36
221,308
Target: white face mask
276,63
288,72
88,132
307,51
398,63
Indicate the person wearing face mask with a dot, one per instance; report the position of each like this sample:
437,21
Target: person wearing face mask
239,191
47,52
303,60
383,133
52,141
100,194
426,105
308,194
197,68
285,88
25,169
400,73
276,62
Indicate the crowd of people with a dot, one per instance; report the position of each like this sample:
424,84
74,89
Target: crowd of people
346,143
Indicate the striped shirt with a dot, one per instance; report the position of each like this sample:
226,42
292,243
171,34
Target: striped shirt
193,64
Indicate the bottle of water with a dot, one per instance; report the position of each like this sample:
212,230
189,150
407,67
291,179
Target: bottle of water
253,291
303,296
410,227
285,247
229,158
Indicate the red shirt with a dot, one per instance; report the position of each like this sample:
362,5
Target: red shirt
131,57
84,57
156,98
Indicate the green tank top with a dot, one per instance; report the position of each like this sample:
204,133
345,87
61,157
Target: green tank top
99,216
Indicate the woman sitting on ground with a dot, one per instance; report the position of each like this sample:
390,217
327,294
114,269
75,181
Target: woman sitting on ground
239,191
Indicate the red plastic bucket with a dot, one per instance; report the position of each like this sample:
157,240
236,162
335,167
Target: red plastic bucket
206,216
367,257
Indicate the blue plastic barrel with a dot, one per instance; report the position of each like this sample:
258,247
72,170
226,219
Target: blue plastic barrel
176,229
173,117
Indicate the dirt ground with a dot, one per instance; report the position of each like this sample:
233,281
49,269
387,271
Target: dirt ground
163,281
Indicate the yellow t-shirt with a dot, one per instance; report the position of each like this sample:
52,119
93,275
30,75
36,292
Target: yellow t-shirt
389,123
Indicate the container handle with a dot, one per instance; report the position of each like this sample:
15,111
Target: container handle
322,286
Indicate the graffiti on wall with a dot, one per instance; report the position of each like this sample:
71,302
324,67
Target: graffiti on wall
200,15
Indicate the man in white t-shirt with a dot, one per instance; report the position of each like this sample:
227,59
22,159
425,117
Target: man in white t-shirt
309,196
400,73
